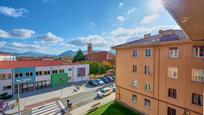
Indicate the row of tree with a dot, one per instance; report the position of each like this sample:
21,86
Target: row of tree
94,67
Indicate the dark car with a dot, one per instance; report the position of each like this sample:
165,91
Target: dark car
105,80
93,83
109,78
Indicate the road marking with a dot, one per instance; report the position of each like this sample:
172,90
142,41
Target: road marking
47,109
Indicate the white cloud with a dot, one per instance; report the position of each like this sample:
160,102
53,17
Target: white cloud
149,18
118,36
2,44
120,4
50,1
92,24
130,11
50,38
120,18
17,33
8,11
97,40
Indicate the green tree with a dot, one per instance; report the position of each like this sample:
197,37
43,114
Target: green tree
79,56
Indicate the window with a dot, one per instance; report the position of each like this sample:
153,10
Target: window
134,53
173,72
61,71
173,52
37,73
198,52
54,71
48,72
172,93
147,70
198,75
40,72
16,75
197,99
134,98
5,76
146,103
148,52
148,87
21,74
81,72
171,111
70,69
134,68
31,73
7,87
134,83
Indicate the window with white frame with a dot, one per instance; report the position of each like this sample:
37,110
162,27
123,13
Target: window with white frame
197,99
147,70
134,53
173,72
198,75
198,52
134,83
146,103
148,87
134,68
134,98
173,52
148,52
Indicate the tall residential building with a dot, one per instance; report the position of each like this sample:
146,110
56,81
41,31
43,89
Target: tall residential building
161,74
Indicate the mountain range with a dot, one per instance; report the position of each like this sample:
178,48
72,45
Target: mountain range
69,53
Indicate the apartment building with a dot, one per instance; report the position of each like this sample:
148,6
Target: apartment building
34,75
161,74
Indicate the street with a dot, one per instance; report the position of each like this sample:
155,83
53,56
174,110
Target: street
77,100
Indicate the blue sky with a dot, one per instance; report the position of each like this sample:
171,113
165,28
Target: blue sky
54,26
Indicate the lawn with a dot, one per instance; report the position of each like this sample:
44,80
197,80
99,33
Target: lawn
113,108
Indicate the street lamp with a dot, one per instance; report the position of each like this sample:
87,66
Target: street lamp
18,99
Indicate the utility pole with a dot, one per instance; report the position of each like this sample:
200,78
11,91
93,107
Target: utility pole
19,110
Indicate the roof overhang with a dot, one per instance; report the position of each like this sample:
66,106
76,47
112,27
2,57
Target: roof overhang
189,14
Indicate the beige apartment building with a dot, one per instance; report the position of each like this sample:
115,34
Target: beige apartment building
161,74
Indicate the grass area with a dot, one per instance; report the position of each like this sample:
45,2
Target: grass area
113,108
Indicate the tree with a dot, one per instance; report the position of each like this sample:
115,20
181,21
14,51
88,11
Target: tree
79,56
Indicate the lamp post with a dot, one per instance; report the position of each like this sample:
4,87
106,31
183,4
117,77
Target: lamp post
18,81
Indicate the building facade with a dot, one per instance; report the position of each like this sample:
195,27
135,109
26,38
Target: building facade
161,74
7,57
34,75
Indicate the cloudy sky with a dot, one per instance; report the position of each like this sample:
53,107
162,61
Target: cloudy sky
54,26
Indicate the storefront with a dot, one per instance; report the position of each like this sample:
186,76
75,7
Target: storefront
42,84
25,78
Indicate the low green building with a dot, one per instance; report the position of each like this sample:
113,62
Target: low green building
59,79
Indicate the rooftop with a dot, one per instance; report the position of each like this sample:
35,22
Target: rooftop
163,36
40,63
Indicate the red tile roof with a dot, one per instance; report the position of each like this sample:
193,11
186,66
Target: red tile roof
5,55
24,64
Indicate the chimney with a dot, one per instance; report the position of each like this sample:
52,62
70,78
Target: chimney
166,32
89,49
147,36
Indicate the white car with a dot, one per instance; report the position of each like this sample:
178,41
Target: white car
104,92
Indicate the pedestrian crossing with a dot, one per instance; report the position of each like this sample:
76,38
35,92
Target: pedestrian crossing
47,109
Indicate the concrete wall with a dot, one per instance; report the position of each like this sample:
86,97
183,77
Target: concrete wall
75,78
5,82
159,63
43,77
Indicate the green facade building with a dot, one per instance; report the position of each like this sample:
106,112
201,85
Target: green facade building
59,79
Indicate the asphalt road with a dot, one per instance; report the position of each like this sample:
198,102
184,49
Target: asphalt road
78,99
82,98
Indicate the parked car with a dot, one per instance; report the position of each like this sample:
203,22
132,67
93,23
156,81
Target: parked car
109,78
105,80
104,92
113,87
93,83
99,81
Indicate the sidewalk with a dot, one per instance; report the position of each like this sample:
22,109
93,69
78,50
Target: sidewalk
85,108
46,94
